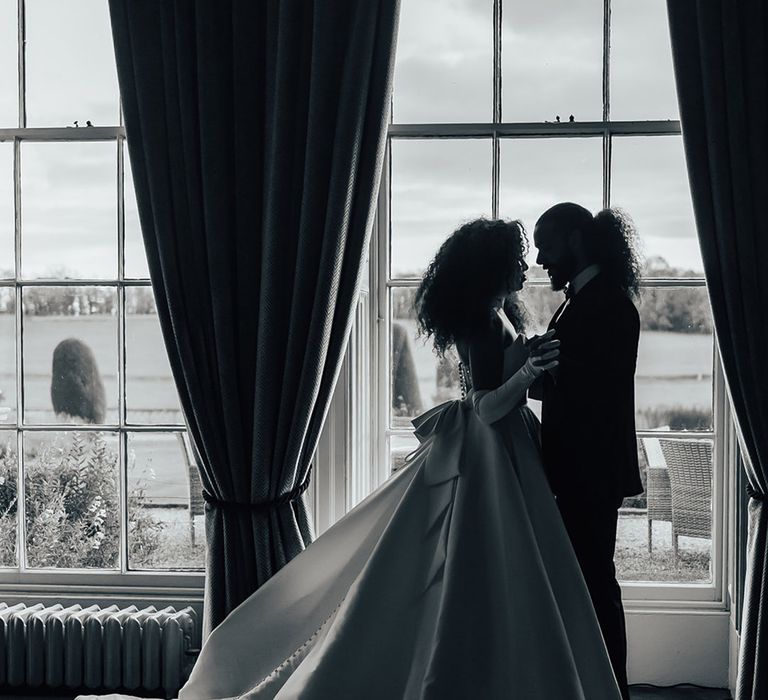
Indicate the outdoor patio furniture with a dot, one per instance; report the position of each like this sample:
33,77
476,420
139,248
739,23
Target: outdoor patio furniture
690,475
196,502
658,492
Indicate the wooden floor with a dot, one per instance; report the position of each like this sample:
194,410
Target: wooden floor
645,692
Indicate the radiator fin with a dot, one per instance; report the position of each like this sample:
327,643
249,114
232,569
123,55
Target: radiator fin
97,648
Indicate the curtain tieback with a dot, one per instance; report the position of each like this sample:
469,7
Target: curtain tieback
757,495
260,506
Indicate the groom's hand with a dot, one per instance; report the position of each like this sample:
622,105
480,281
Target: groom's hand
543,352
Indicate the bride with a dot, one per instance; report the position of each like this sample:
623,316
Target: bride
456,578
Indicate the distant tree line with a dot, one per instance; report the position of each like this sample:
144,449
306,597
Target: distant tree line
680,310
77,301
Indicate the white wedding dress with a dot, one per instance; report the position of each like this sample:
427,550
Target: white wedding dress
455,579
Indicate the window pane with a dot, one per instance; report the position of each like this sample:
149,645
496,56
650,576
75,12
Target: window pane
9,96
437,185
400,446
419,379
135,256
70,64
649,179
538,173
552,60
70,355
150,392
676,507
166,528
444,61
673,382
69,206
540,304
72,500
642,76
9,479
7,224
7,355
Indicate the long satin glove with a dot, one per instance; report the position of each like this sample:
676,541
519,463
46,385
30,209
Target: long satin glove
492,405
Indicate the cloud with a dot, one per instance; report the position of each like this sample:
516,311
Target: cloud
552,61
6,206
444,62
536,173
642,76
650,181
436,185
8,72
70,64
69,208
551,64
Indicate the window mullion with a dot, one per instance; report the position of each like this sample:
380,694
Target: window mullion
20,490
21,522
606,60
380,321
122,440
496,148
497,77
21,38
607,138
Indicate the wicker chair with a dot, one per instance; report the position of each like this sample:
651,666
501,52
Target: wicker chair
658,491
196,502
690,474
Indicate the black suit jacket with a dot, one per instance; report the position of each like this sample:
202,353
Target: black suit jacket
588,408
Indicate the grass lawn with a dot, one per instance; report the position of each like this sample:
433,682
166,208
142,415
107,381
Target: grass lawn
634,562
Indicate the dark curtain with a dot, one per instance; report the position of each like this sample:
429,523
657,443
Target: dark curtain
256,134
720,53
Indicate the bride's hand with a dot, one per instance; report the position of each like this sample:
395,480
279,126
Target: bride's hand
543,353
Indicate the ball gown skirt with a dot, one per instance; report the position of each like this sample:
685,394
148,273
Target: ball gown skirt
455,579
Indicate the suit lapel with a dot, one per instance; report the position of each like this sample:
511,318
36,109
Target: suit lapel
566,308
561,311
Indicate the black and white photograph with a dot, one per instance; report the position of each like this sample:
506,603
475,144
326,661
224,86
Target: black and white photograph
383,349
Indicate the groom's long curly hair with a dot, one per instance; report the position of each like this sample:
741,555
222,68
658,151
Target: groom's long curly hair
611,240
479,261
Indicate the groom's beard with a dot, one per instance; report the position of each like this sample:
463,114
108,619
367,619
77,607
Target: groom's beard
561,272
557,279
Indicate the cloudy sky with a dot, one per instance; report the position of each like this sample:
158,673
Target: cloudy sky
551,64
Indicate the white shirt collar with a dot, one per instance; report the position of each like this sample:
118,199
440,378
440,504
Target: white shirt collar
586,275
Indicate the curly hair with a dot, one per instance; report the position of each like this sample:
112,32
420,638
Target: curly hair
616,247
479,261
610,238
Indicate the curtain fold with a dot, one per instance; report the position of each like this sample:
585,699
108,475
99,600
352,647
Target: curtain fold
256,134
720,52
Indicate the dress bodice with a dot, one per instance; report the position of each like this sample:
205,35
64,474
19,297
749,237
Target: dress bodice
514,357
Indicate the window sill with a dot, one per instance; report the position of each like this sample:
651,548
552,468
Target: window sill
185,586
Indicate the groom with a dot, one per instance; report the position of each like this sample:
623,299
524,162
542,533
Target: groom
588,415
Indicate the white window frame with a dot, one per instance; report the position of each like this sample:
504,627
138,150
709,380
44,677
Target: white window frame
121,583
345,466
707,597
88,578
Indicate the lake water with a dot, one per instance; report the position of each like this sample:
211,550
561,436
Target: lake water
673,369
